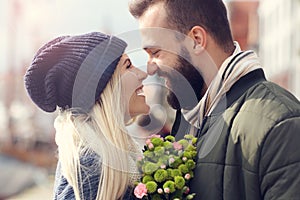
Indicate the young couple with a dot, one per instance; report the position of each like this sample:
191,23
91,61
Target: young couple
247,127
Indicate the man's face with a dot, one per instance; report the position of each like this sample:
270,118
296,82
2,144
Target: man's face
170,59
184,82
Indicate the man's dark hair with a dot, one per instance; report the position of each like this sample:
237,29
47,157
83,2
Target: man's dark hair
182,15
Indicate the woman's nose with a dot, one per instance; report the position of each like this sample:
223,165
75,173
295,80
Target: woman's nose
141,74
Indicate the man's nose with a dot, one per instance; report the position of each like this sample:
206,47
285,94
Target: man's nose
151,68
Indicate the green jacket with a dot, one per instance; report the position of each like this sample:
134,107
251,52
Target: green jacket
249,149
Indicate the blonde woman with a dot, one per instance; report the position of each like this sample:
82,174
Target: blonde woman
97,91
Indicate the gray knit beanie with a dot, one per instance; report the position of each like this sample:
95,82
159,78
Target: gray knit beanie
72,71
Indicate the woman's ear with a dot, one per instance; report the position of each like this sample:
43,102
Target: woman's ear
198,34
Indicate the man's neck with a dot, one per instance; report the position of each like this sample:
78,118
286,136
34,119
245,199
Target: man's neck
217,56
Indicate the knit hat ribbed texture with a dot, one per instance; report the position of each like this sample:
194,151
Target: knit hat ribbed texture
72,71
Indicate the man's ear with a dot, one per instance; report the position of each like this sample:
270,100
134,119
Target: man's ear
199,36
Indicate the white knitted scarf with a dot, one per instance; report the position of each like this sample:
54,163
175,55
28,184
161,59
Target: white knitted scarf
134,152
233,68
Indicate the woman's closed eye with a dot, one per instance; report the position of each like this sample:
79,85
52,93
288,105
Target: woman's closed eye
127,64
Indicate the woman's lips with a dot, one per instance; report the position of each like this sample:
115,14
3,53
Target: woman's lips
140,91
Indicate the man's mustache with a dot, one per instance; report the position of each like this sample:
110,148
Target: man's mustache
162,73
173,75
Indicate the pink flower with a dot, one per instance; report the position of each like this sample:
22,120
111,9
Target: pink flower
140,190
187,176
159,191
139,158
171,160
177,146
167,190
148,141
150,145
184,159
163,166
187,190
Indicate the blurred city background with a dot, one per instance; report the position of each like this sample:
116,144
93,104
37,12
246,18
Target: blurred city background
27,145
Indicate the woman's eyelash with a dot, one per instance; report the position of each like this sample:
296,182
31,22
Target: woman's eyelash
128,65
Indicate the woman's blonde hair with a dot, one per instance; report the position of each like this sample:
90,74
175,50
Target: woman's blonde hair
102,131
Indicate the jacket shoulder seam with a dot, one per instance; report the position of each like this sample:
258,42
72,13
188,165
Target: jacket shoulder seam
277,96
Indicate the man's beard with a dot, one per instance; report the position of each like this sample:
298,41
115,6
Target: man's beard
186,86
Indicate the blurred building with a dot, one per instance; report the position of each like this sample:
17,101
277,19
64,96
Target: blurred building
244,21
25,132
279,40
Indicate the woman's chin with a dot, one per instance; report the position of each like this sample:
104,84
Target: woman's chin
147,110
140,111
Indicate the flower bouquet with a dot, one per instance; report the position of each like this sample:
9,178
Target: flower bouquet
167,167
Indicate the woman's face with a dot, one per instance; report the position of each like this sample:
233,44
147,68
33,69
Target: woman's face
131,80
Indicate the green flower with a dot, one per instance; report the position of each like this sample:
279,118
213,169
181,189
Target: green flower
179,182
194,140
176,162
168,145
147,178
157,142
148,154
151,187
159,151
170,185
190,196
183,168
170,138
169,171
191,174
193,153
150,167
190,164
187,154
160,175
164,159
189,137
184,143
175,172
190,148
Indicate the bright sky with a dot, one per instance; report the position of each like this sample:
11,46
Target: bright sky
39,21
